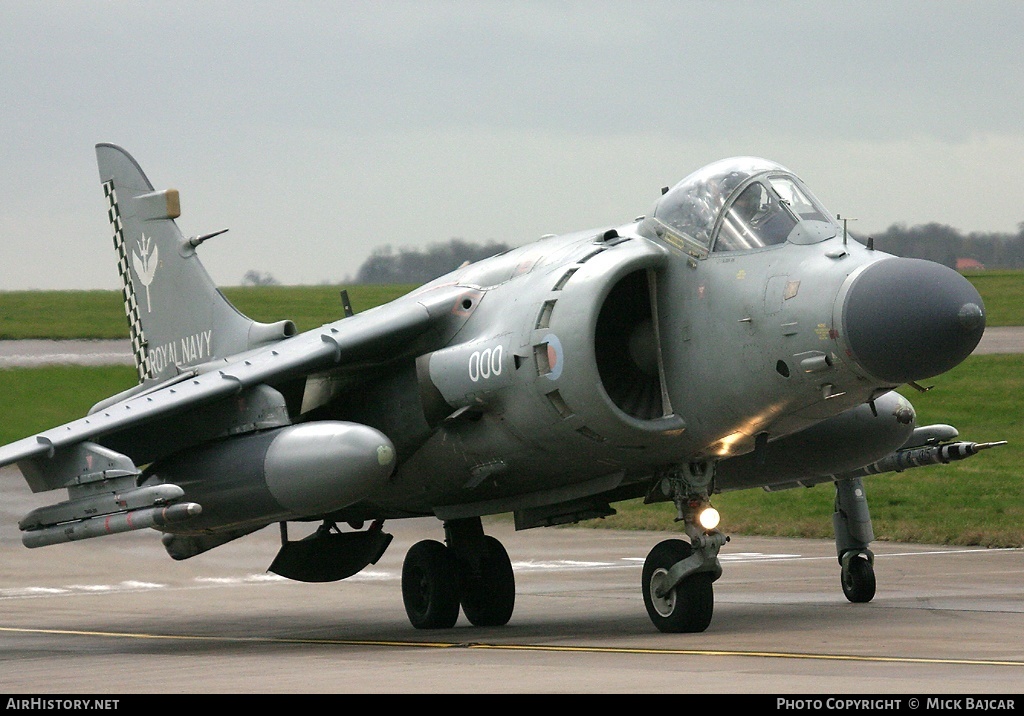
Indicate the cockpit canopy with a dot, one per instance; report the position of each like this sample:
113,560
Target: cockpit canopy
740,203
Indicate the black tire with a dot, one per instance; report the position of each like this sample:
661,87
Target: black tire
430,586
687,608
858,579
488,597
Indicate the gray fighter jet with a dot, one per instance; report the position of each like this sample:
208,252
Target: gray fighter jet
733,338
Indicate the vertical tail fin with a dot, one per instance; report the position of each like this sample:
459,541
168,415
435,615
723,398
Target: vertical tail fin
176,315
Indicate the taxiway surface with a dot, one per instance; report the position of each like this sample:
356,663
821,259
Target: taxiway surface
117,616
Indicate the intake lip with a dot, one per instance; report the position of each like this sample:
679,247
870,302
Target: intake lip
909,319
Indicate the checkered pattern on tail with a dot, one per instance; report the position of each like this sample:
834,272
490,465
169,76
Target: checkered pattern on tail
131,305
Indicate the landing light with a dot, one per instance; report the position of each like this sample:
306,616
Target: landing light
709,518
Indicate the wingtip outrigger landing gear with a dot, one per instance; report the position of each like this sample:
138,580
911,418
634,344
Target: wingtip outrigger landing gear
851,518
852,522
678,575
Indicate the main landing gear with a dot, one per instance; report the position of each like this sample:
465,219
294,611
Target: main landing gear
472,571
678,575
852,523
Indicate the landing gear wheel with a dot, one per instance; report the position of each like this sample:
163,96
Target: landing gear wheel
430,586
686,608
489,596
858,578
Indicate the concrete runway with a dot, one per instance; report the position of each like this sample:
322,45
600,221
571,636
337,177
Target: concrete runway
116,615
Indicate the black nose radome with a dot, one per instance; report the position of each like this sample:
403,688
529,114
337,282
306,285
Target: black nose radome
908,319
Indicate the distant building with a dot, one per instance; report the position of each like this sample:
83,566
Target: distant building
969,265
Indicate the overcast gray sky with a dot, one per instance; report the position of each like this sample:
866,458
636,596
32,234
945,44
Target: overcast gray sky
318,131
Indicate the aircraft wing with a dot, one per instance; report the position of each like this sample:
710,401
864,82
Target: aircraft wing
371,338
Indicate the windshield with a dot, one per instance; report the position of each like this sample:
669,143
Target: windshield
802,205
741,203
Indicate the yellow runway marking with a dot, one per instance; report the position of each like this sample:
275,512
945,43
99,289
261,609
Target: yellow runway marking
519,647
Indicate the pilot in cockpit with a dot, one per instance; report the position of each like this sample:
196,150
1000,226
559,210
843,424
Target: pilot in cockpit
750,206
755,219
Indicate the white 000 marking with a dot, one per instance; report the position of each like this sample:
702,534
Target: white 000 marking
485,363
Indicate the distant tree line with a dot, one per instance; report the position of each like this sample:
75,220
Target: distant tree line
253,277
422,265
935,242
945,245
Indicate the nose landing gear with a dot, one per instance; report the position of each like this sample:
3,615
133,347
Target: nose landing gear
677,577
676,584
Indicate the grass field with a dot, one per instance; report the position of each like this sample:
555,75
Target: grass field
100,314
1003,293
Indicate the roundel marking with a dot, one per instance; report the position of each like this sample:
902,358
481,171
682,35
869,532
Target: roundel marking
556,357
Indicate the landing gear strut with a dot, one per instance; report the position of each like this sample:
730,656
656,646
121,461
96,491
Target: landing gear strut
677,575
852,523
472,571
